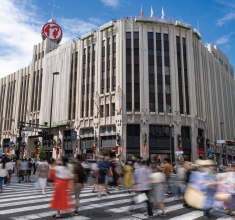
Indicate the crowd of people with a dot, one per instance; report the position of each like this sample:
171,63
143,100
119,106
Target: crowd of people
198,184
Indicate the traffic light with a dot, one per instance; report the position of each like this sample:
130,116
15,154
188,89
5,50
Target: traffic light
230,142
43,134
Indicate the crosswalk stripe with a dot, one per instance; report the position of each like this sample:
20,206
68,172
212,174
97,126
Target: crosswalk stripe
30,208
46,214
40,196
188,216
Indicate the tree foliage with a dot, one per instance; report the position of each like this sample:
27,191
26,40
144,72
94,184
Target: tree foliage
42,153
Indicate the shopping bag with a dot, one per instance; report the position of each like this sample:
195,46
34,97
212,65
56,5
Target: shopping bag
225,197
139,198
110,179
36,184
194,198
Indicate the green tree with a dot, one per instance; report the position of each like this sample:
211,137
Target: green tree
42,153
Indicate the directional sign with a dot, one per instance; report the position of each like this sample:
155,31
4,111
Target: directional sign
0,151
28,129
179,152
74,135
220,141
23,139
11,143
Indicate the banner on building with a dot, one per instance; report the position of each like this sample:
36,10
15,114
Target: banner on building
57,151
200,152
116,150
37,151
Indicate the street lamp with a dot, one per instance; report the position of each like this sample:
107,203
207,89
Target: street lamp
48,149
170,144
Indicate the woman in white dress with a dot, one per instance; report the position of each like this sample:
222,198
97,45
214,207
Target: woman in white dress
42,175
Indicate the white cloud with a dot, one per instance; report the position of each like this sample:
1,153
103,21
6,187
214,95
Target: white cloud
111,3
75,27
224,40
227,47
228,17
19,31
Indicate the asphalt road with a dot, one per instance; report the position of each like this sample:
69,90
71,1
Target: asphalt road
20,202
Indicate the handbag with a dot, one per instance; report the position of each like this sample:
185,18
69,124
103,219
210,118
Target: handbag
194,198
225,197
36,184
139,198
110,179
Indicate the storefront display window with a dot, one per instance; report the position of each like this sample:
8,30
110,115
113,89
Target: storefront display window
159,157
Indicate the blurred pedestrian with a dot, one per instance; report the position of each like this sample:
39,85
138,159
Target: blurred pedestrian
144,185
79,181
115,173
23,167
103,168
167,171
34,166
156,195
3,173
128,175
51,173
120,166
42,175
9,167
30,165
61,199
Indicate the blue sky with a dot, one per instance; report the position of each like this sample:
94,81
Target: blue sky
21,21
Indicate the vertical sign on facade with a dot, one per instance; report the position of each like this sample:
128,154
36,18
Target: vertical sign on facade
116,150
93,150
23,139
57,151
37,151
200,151
180,148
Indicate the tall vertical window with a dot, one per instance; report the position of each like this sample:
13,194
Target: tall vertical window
167,73
108,66
36,91
83,81
33,88
26,97
114,64
75,84
70,88
128,73
136,72
159,72
88,80
93,80
103,67
40,90
185,75
151,73
180,79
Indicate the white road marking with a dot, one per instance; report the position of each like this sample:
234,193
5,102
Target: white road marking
188,216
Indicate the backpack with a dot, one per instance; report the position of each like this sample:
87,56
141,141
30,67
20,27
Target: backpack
81,174
103,170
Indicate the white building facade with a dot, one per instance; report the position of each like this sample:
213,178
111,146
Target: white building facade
140,86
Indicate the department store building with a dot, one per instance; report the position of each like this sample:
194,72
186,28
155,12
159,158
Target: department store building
141,86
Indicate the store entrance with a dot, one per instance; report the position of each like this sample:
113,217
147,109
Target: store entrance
111,153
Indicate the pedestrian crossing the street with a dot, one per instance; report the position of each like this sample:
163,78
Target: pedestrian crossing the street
20,201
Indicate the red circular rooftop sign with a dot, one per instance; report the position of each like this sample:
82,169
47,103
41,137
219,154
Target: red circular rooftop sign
52,31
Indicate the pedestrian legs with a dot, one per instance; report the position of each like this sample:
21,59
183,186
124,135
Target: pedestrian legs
77,191
150,211
1,179
168,183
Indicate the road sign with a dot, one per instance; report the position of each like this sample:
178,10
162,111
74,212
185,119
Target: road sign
23,139
28,129
0,151
179,152
74,135
220,141
11,143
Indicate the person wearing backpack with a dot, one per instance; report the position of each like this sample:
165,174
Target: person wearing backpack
30,165
79,180
103,168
